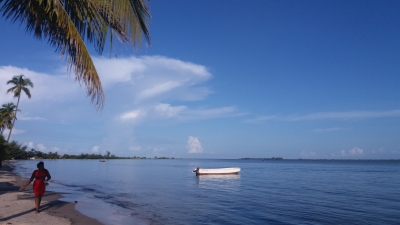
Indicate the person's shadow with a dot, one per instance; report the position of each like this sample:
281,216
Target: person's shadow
51,197
44,207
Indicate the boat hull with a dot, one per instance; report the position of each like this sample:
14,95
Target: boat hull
219,171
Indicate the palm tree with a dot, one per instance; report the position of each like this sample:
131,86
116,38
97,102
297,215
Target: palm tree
7,115
20,84
3,149
67,24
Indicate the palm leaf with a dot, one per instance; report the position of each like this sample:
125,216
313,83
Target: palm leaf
67,24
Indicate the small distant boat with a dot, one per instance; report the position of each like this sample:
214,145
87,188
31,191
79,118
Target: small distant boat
102,160
217,171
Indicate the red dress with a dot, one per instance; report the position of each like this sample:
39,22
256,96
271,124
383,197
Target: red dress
39,187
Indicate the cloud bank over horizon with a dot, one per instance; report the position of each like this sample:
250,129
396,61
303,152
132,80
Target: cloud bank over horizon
138,89
141,91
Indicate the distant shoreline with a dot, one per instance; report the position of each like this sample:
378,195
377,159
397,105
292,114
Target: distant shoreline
246,158
272,159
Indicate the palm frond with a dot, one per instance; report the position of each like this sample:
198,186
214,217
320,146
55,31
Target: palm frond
27,92
49,19
67,24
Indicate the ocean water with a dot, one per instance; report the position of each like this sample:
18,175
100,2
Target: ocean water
270,192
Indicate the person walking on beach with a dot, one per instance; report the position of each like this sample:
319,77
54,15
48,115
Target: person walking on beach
39,185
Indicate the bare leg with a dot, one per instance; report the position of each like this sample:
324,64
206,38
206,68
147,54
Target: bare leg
35,200
38,199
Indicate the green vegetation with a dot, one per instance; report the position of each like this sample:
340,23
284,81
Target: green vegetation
3,149
155,157
273,158
67,25
7,115
14,150
20,84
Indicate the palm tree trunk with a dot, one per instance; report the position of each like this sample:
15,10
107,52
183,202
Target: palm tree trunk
16,110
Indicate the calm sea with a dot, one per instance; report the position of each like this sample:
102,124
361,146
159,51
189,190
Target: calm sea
270,192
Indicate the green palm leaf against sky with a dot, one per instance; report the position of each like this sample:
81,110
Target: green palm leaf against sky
67,24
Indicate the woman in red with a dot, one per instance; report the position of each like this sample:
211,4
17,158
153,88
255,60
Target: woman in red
39,185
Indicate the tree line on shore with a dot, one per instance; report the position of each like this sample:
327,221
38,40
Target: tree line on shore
14,150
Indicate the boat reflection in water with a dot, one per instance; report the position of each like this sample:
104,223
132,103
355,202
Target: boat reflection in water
229,183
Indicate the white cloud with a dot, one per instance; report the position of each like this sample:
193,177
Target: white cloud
158,89
14,132
95,149
127,69
132,115
146,84
56,149
155,77
168,110
307,154
345,115
261,119
380,150
326,130
41,147
352,152
329,116
46,87
158,150
356,151
194,145
182,113
30,118
138,89
30,145
212,113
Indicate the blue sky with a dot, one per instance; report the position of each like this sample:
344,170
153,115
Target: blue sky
225,79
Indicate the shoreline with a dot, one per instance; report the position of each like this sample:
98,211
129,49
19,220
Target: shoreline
17,207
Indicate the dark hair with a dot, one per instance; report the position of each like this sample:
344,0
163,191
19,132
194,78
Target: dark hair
40,164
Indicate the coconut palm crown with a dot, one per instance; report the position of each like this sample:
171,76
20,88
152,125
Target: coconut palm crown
7,115
20,84
68,24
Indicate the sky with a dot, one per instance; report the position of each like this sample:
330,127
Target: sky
224,79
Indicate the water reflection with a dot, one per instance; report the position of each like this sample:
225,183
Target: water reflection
219,177
229,183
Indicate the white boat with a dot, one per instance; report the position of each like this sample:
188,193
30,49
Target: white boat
217,171
102,160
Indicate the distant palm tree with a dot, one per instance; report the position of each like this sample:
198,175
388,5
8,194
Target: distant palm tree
7,115
68,24
20,84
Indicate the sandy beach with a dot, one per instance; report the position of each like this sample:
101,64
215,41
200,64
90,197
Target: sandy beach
17,207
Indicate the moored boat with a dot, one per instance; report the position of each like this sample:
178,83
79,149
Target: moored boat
217,171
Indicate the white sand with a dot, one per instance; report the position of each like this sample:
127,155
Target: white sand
17,208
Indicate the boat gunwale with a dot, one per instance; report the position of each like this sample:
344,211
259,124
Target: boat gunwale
217,171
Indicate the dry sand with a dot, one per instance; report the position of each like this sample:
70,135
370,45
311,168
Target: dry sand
17,207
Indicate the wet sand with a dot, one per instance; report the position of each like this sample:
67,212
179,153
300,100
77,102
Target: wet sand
17,207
